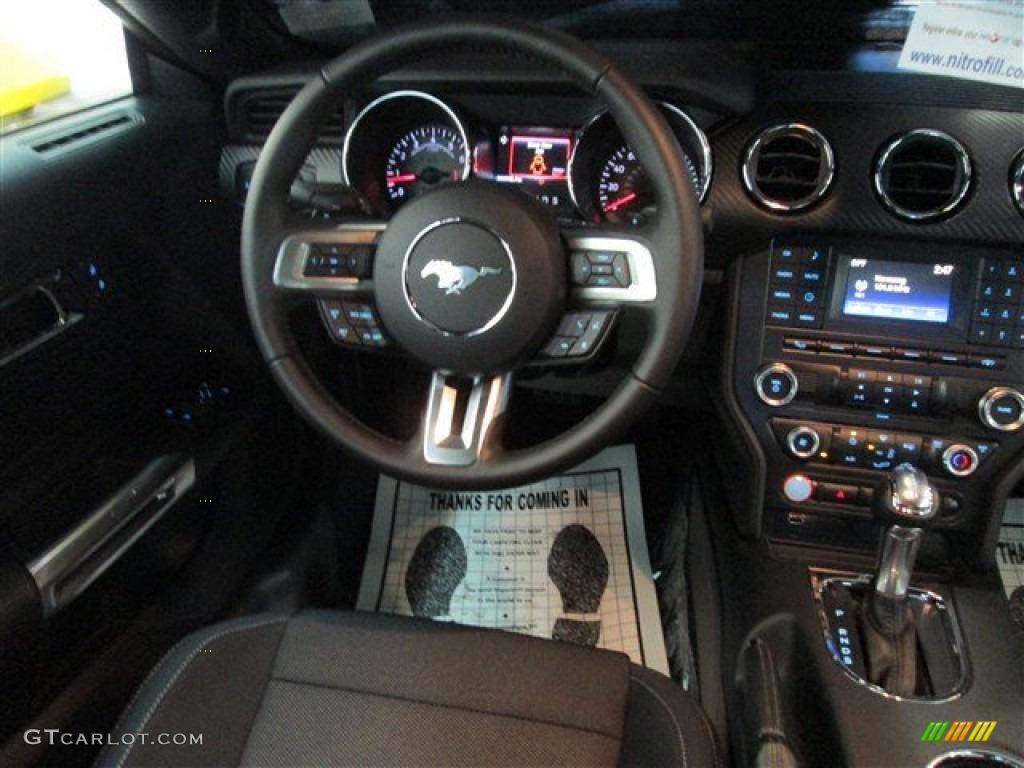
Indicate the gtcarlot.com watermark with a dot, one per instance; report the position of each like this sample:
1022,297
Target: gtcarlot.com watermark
54,736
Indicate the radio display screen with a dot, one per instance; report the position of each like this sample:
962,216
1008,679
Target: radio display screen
919,292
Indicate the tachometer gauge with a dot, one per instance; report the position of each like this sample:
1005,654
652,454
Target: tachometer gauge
422,158
606,180
403,144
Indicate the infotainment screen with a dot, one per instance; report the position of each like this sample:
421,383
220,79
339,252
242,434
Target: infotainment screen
920,292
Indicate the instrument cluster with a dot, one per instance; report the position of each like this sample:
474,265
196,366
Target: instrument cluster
408,142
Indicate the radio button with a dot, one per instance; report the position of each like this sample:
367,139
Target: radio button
815,256
1002,408
1003,335
800,345
787,255
910,355
780,315
988,362
981,333
810,318
781,294
873,350
836,348
948,358
776,385
784,275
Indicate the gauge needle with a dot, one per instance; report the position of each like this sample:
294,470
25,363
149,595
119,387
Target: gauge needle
614,205
405,178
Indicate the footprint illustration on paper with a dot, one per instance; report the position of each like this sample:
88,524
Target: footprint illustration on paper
437,567
578,567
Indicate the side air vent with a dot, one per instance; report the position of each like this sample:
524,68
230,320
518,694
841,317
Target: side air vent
788,168
922,175
1017,181
262,109
81,133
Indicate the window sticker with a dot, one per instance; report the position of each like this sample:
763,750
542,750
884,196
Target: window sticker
968,40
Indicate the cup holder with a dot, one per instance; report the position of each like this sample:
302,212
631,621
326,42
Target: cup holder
976,758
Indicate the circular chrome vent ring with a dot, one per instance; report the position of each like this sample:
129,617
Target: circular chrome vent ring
1017,181
821,184
904,142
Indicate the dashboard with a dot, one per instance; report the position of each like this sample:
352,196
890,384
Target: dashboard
863,232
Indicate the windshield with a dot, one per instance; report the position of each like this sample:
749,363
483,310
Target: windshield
611,19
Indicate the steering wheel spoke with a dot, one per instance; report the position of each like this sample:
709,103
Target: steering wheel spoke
332,262
463,421
610,267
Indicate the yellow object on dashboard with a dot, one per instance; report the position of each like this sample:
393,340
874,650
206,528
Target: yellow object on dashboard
26,80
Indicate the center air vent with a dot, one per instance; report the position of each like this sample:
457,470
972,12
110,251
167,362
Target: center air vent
788,168
260,110
922,175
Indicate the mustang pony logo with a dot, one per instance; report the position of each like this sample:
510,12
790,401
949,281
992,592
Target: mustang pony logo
452,279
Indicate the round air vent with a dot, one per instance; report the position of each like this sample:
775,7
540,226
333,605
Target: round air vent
1017,181
788,168
923,175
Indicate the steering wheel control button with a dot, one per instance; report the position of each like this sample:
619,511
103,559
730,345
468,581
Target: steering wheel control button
1002,409
798,488
600,269
352,324
960,460
776,385
351,260
803,442
579,336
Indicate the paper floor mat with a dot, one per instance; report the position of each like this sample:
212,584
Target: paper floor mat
1010,557
565,558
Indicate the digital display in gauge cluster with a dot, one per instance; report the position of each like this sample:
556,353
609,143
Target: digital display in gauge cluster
537,160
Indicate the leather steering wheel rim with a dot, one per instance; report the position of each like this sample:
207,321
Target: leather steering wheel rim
674,237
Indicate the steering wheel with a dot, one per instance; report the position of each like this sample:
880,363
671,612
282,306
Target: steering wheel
476,280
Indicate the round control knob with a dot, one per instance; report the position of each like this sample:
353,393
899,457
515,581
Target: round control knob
803,442
960,460
1002,408
776,385
798,488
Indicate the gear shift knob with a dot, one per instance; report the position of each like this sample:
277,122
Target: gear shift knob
912,497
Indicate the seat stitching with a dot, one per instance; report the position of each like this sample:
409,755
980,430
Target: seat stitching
460,708
202,642
671,716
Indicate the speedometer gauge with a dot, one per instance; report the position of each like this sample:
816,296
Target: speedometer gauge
623,188
606,180
423,158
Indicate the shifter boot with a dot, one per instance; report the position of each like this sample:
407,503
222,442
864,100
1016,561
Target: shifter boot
890,646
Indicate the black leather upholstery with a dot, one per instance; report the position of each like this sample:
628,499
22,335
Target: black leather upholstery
331,688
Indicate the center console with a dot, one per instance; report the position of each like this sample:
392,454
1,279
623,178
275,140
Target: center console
872,394
848,358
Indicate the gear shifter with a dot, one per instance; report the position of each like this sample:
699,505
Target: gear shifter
890,635
912,498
